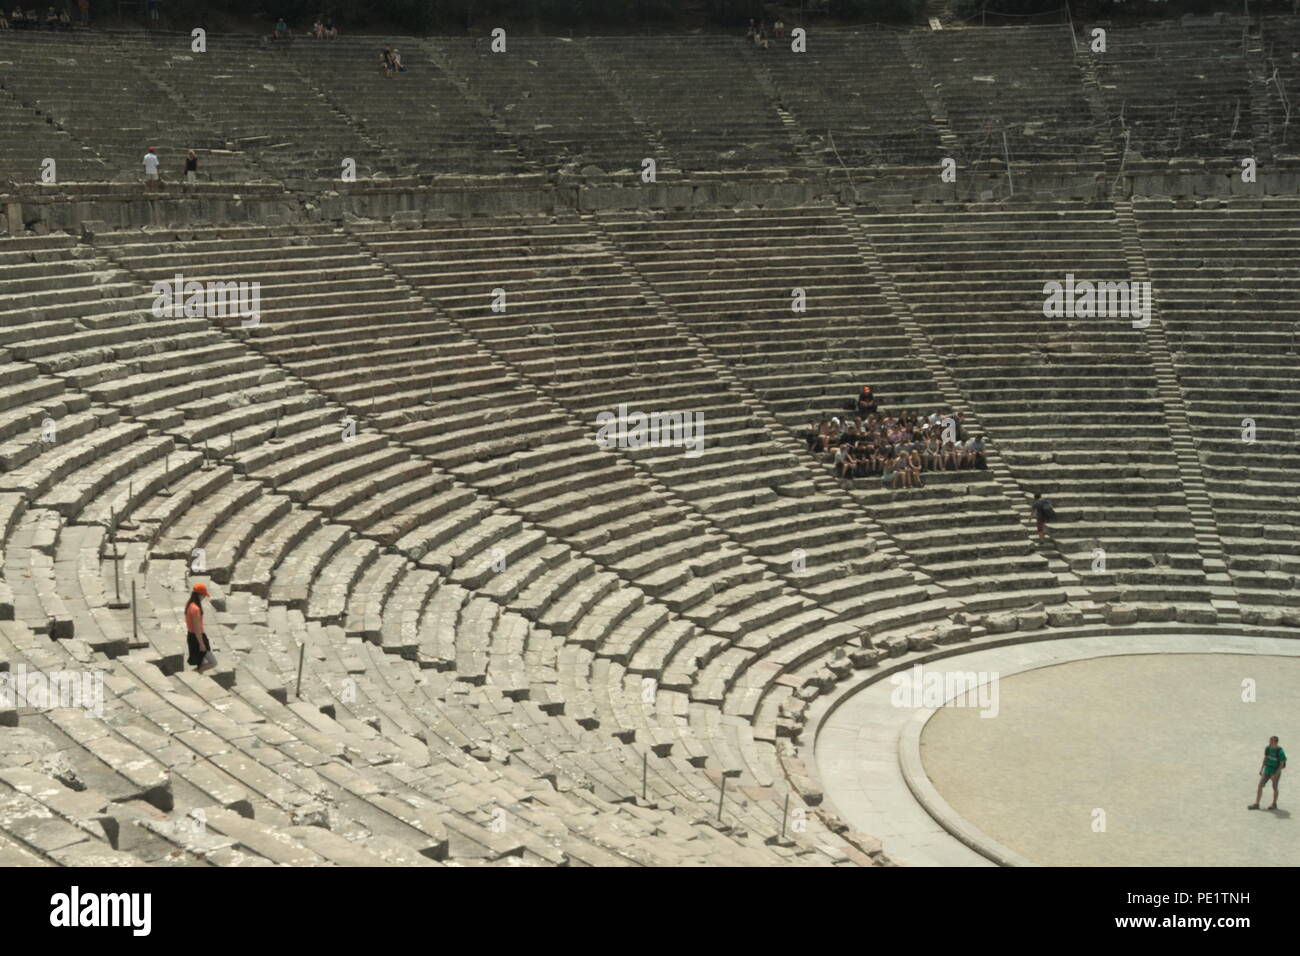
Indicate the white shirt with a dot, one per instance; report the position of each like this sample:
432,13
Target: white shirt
150,163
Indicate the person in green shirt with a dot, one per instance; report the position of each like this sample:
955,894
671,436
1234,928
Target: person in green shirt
1270,769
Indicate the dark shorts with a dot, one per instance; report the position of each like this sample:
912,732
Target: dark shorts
1266,777
196,655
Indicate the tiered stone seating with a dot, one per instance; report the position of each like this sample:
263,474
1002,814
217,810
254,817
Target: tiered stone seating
421,118
701,101
565,326
275,767
1017,81
27,140
1232,265
1280,40
1181,88
461,633
77,81
804,364
276,552
693,573
731,277
555,105
260,103
1071,402
579,315
855,96
698,103
71,458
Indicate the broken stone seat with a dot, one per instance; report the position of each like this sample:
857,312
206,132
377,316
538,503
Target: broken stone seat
54,823
375,591
264,718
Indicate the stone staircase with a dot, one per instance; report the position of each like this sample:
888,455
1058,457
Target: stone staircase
925,82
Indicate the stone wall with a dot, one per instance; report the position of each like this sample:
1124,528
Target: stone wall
125,206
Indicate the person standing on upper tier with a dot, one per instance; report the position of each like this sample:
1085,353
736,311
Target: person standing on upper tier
151,181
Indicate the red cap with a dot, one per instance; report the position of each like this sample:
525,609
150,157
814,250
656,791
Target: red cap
153,149
201,588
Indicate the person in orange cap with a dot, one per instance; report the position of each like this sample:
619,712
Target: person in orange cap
196,637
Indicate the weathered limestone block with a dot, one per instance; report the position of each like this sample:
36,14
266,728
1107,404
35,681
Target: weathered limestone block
1120,614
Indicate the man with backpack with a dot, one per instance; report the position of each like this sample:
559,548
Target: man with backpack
1043,512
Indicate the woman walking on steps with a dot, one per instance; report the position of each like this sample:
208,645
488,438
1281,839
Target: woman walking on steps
196,638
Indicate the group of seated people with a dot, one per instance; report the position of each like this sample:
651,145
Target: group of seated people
899,448
322,29
759,33
31,20
390,61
